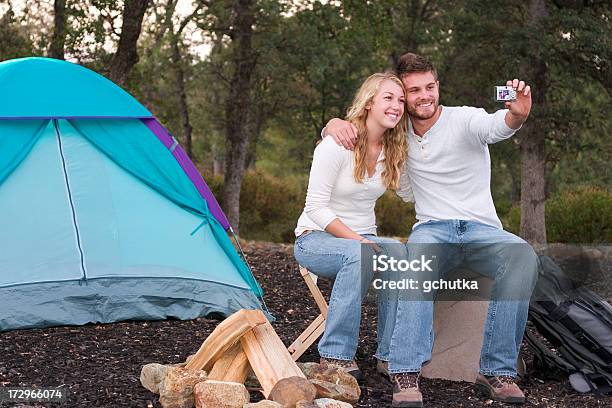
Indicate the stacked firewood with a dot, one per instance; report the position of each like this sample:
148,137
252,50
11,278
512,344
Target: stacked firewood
245,344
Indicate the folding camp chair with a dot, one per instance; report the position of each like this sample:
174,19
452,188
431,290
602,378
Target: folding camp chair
317,327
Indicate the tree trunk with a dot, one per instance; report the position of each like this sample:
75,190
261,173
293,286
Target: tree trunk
56,48
127,54
533,184
515,191
237,109
258,118
182,94
533,144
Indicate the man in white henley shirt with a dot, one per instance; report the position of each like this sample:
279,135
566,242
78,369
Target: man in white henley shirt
449,169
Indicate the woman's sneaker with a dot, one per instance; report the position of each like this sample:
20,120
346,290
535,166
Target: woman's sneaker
501,388
406,392
347,365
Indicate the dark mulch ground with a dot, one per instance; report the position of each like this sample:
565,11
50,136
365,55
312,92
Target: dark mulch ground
100,364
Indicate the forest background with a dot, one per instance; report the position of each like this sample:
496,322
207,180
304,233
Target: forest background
247,85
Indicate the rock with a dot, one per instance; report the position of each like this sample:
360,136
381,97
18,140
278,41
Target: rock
288,391
189,358
331,403
336,391
152,375
332,382
593,254
315,371
176,390
220,394
308,368
559,251
263,404
305,404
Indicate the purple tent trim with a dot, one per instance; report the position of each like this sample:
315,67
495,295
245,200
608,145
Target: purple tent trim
72,117
190,169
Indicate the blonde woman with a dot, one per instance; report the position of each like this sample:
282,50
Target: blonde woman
339,213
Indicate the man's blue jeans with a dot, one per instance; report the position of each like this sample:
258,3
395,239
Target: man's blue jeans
340,259
412,336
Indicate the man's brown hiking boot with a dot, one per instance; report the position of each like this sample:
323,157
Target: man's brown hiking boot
347,365
406,391
382,367
501,388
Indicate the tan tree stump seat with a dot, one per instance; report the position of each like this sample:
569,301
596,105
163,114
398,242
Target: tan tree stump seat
458,328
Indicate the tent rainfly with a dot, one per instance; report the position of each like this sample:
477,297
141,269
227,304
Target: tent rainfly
103,217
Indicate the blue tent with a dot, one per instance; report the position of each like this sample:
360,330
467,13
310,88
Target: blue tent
103,217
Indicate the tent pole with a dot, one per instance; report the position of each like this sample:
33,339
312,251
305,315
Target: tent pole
248,266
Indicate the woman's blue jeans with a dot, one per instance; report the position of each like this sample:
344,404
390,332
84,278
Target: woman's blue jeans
498,254
338,258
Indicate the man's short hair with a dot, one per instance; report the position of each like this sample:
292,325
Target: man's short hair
410,63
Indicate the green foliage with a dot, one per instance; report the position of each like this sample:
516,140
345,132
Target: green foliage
581,215
215,183
512,220
312,55
394,217
503,207
91,25
490,44
269,206
579,151
14,42
280,155
320,57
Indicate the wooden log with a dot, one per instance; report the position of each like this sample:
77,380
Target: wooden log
224,336
233,366
268,357
307,338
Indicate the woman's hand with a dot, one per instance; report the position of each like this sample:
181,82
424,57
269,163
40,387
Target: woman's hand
339,230
372,244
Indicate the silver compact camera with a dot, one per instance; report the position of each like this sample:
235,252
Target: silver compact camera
505,93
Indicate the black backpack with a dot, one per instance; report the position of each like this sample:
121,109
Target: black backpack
578,324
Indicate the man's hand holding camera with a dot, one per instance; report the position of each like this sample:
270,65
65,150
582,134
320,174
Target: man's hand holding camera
520,107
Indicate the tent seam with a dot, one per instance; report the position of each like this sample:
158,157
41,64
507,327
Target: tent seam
72,209
129,277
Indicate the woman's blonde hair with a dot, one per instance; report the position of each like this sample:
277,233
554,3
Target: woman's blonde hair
395,146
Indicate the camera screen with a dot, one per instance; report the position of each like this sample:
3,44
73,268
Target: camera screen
503,94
